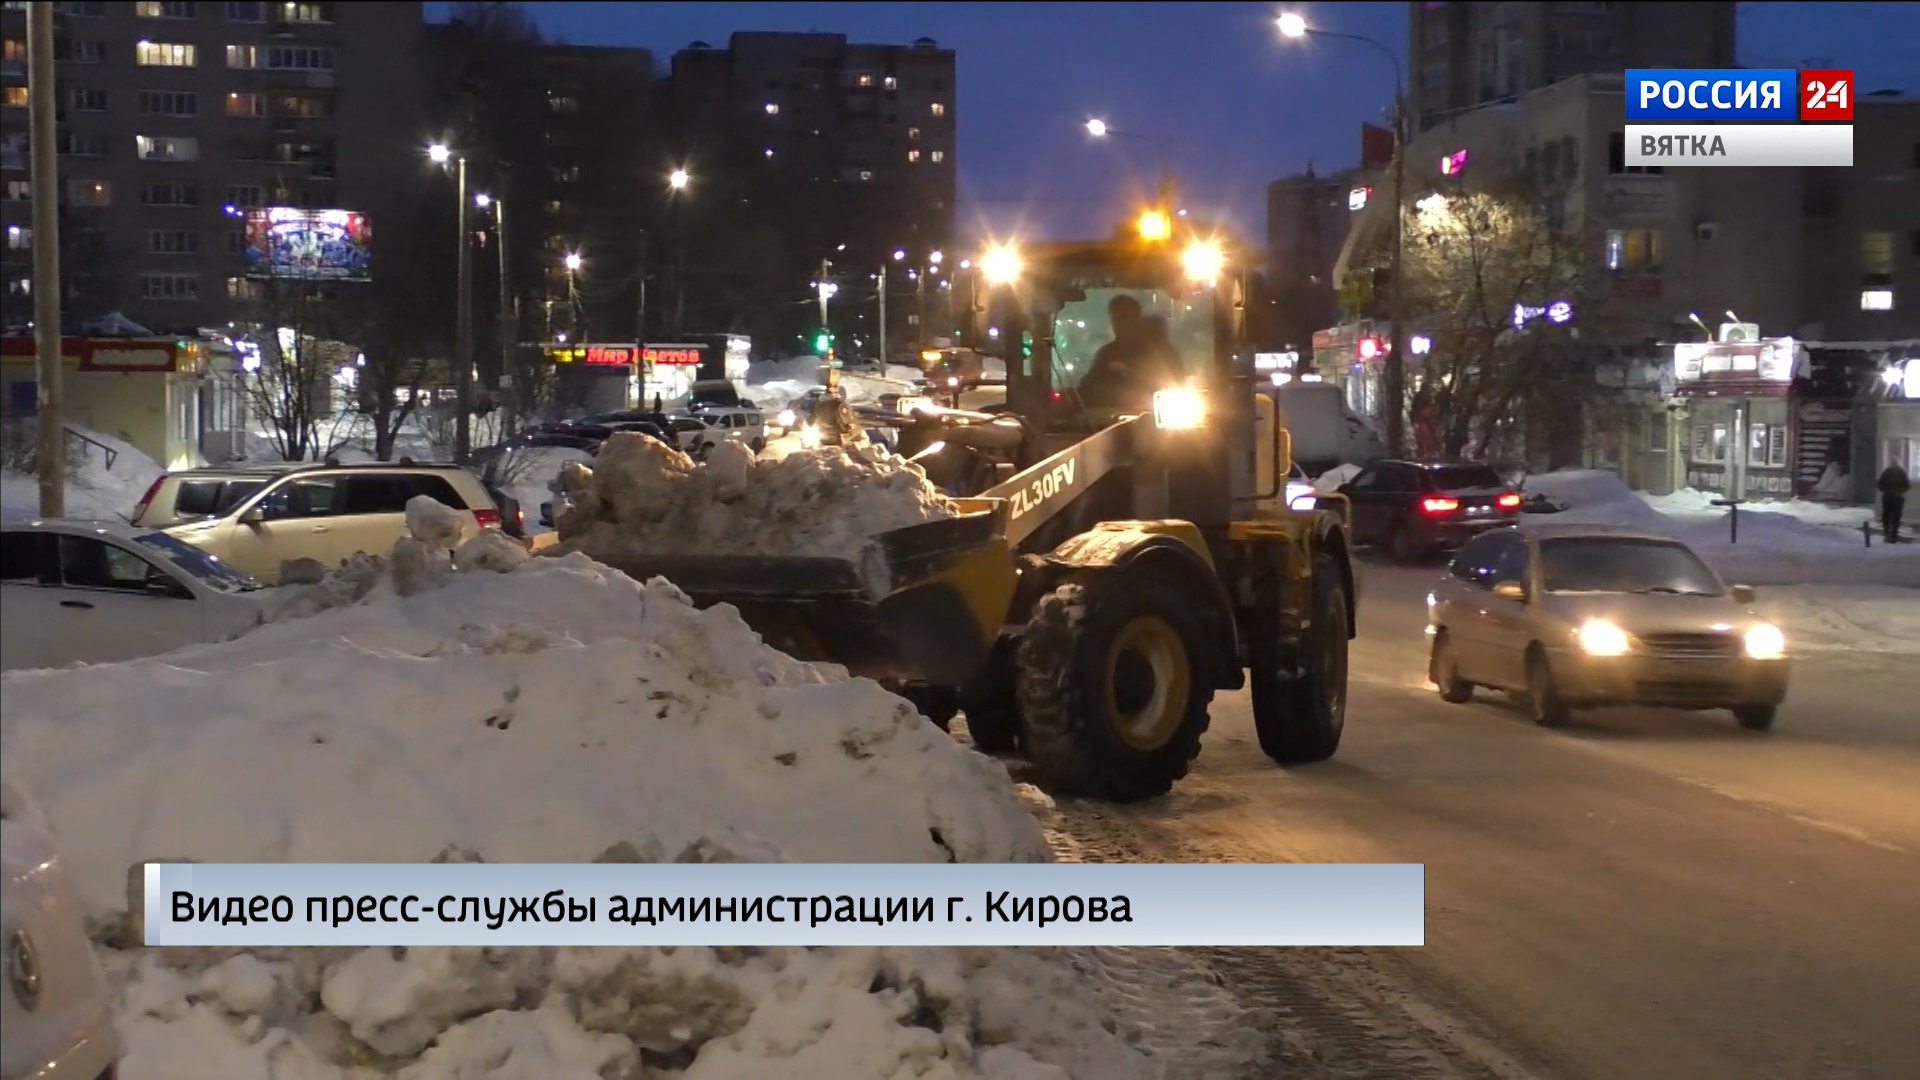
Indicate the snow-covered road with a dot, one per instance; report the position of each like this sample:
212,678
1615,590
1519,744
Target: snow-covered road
1642,894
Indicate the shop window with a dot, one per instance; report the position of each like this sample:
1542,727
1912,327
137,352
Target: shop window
1710,443
1767,445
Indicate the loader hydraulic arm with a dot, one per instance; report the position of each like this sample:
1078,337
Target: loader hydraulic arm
1035,495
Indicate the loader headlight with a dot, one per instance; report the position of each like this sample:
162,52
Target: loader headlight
810,437
1179,408
1764,641
786,418
1598,637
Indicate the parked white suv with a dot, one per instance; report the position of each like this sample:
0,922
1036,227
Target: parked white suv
255,518
741,425
55,1011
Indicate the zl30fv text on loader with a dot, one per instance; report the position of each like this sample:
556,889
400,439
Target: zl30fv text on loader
1109,573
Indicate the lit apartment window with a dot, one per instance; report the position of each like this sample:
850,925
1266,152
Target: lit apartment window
89,193
939,108
173,242
20,286
891,83
299,58
166,148
21,190
170,286
243,56
913,133
306,13
239,104
239,288
773,108
16,97
163,9
82,99
19,238
170,195
866,174
938,156
863,79
1880,299
14,49
913,155
246,11
163,54
561,104
244,195
1633,249
169,103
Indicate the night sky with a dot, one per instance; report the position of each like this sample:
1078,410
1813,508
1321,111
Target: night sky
1240,105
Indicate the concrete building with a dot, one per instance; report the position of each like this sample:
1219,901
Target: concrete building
808,147
170,112
1307,218
1817,270
1463,55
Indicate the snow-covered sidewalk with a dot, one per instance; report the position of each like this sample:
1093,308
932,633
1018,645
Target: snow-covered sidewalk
1780,543
95,491
545,710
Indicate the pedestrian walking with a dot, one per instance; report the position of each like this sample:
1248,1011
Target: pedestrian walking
1893,486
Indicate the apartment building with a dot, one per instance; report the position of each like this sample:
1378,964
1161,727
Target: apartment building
175,117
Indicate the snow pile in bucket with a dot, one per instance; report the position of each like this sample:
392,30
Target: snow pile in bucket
551,711
642,497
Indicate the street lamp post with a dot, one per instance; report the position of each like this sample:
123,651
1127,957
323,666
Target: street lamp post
677,182
1294,26
463,308
509,326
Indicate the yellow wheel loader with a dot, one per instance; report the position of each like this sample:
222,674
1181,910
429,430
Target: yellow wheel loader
1112,569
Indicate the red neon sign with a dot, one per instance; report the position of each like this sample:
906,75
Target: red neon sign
612,355
675,355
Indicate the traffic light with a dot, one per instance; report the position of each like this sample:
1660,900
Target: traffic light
822,341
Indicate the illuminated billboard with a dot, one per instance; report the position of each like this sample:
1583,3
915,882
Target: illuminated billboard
308,245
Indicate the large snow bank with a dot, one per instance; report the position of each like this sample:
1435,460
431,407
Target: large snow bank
1780,543
644,498
95,491
1855,618
553,711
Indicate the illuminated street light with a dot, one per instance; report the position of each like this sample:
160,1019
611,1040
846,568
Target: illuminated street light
1097,128
1002,265
898,254
482,200
1292,25
573,261
439,154
1154,225
678,179
1203,261
934,259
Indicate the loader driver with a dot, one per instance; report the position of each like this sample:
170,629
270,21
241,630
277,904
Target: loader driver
1127,370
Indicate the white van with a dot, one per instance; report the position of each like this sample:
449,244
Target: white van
747,425
1325,432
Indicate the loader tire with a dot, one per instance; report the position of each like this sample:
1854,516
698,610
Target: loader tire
1300,691
1111,697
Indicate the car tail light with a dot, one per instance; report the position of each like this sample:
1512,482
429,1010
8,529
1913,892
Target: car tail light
520,514
1439,506
140,509
488,519
1509,501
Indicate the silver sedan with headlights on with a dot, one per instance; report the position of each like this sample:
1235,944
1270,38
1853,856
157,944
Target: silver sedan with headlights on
1579,616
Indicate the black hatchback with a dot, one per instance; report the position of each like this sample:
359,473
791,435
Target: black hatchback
1415,508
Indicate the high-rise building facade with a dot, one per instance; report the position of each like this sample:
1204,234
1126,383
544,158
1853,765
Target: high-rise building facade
804,148
1463,55
176,117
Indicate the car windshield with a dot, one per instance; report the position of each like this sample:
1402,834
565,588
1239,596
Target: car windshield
1458,477
1624,565
198,563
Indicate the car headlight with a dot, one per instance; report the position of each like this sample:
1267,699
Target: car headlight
1602,638
810,437
1764,641
786,418
1179,408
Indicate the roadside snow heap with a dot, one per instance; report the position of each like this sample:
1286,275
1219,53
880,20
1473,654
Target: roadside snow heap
642,497
461,704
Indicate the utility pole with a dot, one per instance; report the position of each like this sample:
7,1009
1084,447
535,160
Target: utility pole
45,182
463,333
509,325
1396,300
883,313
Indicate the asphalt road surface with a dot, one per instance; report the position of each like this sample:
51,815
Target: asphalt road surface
1643,894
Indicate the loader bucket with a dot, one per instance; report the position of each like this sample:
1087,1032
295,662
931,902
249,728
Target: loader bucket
934,619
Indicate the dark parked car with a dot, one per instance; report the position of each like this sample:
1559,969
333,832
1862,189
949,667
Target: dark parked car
1413,508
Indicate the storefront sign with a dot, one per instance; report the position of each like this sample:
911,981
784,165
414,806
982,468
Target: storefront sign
676,355
106,354
596,355
1704,363
1275,361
